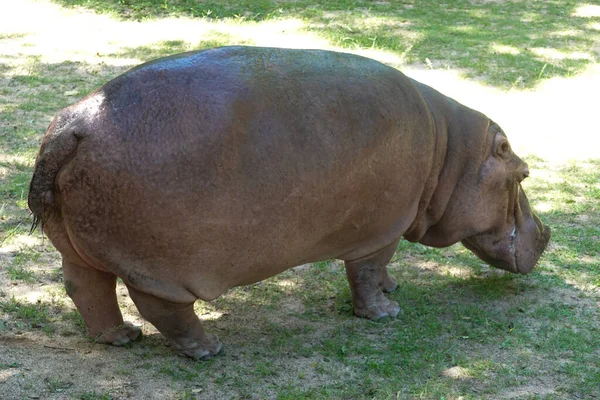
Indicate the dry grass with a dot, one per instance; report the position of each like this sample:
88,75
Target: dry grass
467,331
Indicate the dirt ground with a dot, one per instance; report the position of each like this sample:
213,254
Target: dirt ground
550,122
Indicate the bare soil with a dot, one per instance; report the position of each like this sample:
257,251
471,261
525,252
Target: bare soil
550,122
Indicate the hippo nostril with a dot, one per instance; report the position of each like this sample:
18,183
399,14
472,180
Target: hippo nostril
524,173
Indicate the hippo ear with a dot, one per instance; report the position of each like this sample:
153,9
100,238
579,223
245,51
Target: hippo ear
501,146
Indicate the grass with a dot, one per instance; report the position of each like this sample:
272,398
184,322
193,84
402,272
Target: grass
57,385
33,315
504,43
94,396
20,273
466,331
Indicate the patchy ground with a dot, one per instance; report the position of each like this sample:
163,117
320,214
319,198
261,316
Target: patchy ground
467,331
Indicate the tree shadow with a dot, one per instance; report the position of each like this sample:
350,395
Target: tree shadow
478,322
505,44
480,319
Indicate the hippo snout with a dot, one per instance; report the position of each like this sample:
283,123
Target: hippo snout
530,250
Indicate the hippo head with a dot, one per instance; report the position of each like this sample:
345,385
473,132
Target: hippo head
489,212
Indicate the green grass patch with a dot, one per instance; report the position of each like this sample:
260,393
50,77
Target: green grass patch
20,273
34,315
57,385
74,317
93,395
505,43
466,330
49,316
9,365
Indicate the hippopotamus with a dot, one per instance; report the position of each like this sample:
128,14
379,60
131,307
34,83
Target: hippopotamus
196,173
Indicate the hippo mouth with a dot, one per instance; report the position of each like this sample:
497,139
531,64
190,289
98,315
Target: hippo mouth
530,247
507,263
519,247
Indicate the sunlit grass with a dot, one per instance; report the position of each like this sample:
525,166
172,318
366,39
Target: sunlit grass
448,34
467,330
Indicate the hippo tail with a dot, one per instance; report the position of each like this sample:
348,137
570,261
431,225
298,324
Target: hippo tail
58,146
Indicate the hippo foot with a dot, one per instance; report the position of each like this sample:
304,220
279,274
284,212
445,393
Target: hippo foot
120,335
380,308
205,350
389,283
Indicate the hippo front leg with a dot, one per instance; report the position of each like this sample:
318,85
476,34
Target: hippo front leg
388,283
368,276
178,323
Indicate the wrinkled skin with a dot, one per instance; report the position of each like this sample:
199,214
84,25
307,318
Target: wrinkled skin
193,174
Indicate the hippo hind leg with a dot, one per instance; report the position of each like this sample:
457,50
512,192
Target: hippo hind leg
178,323
93,292
368,279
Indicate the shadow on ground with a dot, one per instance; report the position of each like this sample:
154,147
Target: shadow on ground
465,330
504,43
495,330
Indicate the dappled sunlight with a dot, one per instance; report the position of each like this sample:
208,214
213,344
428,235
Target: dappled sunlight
566,33
462,28
587,11
505,49
545,175
287,284
583,281
210,315
453,270
554,122
5,108
379,24
528,391
457,372
554,54
543,207
5,374
33,296
16,159
527,17
288,33
283,329
536,122
19,241
466,329
387,22
382,32
383,56
100,38
409,31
